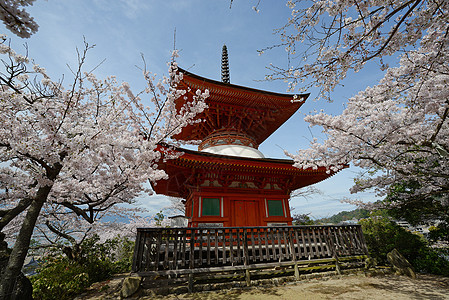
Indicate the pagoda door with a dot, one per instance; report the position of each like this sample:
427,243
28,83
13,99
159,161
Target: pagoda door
246,213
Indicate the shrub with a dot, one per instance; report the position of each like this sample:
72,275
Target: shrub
383,235
440,232
123,255
61,278
433,261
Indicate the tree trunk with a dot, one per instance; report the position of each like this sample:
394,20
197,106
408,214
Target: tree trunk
21,246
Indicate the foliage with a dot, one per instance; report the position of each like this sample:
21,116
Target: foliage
302,219
61,277
123,255
439,232
413,210
358,214
433,261
432,210
116,253
383,235
159,218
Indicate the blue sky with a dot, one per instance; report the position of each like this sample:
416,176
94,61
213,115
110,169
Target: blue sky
123,29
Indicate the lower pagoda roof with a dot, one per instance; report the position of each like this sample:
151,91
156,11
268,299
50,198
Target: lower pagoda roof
192,168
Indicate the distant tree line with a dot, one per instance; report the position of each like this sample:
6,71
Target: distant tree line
358,214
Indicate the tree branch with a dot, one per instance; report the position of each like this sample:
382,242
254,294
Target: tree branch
60,233
8,215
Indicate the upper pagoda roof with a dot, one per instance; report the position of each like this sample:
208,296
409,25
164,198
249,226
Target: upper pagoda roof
253,112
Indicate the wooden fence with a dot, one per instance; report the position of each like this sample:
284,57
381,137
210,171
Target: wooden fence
187,251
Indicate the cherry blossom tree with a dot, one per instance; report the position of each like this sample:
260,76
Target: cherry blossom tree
396,130
16,19
61,229
83,149
176,206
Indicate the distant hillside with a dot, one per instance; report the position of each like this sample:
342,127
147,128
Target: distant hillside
358,213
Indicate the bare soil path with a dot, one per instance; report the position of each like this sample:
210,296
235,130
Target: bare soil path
339,287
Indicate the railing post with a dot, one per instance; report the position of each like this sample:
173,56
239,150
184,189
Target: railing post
191,259
246,257
158,250
278,235
166,263
362,239
223,244
138,252
175,249
333,250
293,252
337,265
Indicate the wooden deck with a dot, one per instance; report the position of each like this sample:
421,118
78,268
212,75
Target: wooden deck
189,251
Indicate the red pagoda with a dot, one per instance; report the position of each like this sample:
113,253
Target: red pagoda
228,181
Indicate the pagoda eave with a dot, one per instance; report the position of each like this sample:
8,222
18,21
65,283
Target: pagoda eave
200,170
239,94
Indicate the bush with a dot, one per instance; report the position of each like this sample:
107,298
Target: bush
59,279
433,261
439,232
62,278
382,235
123,255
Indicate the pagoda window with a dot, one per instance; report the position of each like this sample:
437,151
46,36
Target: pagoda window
211,207
275,208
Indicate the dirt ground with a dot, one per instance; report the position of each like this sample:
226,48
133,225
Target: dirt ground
344,287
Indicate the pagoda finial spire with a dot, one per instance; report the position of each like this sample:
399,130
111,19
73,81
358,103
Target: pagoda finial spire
225,65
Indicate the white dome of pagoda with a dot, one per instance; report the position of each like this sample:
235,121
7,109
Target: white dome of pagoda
234,150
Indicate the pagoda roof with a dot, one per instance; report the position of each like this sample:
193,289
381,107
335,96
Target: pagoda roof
251,111
191,163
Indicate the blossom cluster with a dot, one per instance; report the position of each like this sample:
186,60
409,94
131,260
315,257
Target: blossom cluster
16,19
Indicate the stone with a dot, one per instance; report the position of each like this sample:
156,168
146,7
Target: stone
400,264
130,286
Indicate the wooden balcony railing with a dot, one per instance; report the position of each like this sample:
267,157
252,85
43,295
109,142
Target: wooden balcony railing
165,251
